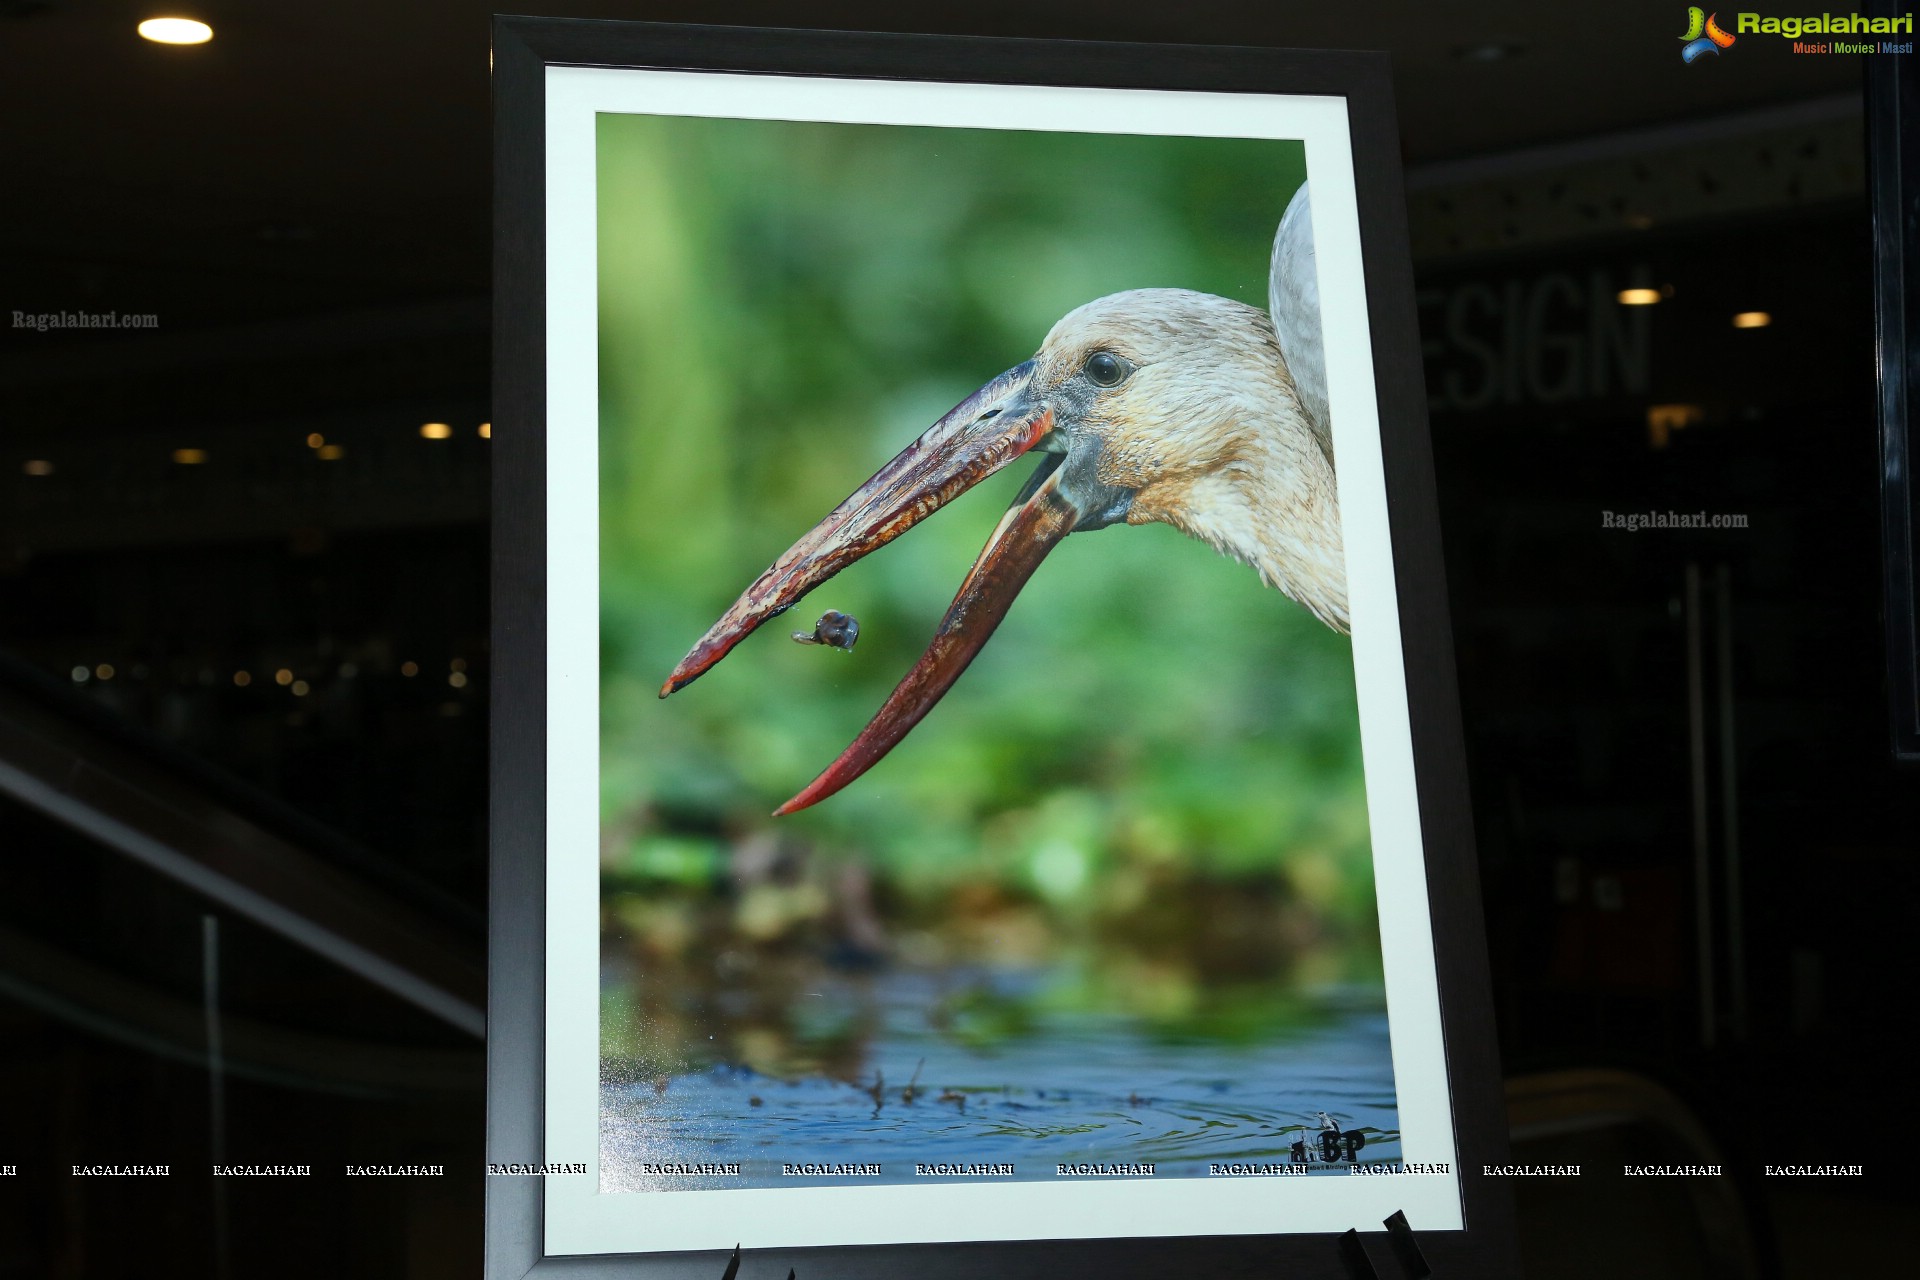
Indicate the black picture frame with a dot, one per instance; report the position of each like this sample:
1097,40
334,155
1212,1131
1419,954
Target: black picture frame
1893,147
522,50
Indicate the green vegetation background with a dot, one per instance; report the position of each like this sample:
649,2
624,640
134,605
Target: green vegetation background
783,306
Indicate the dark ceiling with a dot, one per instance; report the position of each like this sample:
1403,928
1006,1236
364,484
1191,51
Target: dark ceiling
313,158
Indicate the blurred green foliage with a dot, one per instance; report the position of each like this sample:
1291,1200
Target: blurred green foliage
784,306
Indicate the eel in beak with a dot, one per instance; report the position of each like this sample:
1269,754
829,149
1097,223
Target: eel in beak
976,438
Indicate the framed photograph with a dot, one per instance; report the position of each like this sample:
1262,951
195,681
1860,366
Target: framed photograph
885,878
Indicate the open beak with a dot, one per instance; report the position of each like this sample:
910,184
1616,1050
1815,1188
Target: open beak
1036,522
976,438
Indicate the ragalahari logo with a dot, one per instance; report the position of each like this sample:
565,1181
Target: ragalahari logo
1703,35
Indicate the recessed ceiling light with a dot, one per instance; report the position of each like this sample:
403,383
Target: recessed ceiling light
37,467
189,457
486,431
1752,320
435,431
176,31
330,453
1637,297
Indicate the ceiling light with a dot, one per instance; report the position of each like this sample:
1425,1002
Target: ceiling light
283,677
104,671
176,31
189,457
315,440
435,431
38,467
1752,320
242,679
486,431
1637,297
300,688
330,453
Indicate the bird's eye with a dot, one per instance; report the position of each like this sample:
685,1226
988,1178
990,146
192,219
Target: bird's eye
1105,369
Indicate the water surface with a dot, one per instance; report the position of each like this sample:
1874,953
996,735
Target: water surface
1009,1076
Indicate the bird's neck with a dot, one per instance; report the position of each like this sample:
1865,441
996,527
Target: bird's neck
1269,500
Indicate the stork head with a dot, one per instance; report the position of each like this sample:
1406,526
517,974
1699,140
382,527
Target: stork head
1158,395
1136,402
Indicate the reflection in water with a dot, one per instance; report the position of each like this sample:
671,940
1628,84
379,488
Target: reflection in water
978,1066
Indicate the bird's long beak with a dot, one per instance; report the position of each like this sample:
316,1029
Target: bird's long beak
1036,522
977,437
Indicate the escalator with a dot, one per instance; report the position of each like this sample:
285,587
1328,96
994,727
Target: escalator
195,976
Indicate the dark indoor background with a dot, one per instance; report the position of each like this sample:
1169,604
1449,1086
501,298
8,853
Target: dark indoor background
1696,852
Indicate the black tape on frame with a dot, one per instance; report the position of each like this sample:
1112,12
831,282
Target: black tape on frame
1405,1248
1354,1254
733,1266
